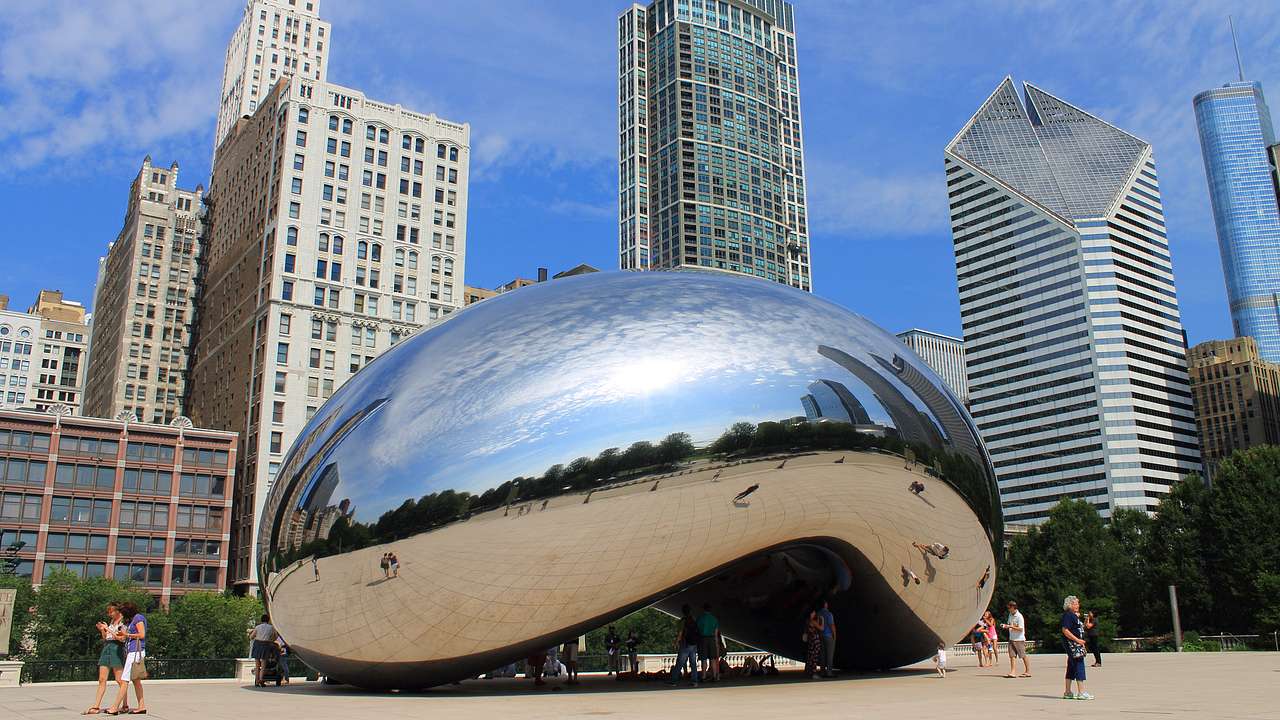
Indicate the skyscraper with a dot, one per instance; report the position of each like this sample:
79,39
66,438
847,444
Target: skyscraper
1237,397
711,165
943,354
275,38
145,302
1236,138
1076,366
337,229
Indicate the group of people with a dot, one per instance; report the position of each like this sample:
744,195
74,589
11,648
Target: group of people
123,655
390,565
986,642
699,645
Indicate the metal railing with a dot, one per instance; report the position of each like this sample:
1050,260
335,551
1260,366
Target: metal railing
37,671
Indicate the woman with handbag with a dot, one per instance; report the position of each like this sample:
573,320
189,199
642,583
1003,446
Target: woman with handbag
135,667
1074,643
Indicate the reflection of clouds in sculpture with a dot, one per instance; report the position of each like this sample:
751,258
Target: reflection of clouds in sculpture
552,372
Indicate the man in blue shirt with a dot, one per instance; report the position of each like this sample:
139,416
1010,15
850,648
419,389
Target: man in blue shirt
828,638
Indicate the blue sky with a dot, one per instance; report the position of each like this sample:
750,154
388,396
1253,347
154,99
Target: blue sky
88,89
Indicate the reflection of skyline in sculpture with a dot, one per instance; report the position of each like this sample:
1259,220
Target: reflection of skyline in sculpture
831,400
960,431
912,425
581,401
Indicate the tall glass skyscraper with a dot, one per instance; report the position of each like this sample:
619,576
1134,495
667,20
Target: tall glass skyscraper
1073,344
1236,138
710,163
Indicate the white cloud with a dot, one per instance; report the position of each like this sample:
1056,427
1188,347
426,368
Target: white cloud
108,80
846,200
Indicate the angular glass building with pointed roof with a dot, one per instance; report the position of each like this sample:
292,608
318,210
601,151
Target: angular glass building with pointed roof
1074,348
1236,136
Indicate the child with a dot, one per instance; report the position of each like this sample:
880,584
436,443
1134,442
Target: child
940,660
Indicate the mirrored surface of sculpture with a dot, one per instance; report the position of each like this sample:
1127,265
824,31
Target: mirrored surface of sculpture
557,457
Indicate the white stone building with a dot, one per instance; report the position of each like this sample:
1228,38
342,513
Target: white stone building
145,302
337,229
275,38
43,354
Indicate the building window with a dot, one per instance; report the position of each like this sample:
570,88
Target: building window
282,353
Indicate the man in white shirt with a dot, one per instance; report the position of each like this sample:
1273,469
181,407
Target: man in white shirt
1017,628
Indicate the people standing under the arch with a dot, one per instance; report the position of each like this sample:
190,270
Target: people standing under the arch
264,638
111,658
686,647
135,637
1092,636
570,653
633,656
709,650
828,638
813,644
1017,627
1075,646
612,645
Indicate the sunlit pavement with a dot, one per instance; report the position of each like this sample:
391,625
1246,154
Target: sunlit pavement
1203,685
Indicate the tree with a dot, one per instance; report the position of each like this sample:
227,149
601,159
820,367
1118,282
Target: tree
210,625
675,447
737,437
1241,538
22,603
1072,553
1175,556
67,607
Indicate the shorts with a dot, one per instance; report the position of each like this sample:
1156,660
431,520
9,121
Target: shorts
129,660
261,650
1018,649
1075,668
708,648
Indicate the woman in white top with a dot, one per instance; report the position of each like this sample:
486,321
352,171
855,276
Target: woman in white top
111,659
264,639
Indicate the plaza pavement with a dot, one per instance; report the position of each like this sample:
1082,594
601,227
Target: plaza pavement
1229,685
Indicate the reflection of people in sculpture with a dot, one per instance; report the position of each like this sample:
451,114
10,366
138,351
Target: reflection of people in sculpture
909,456
908,576
916,487
937,550
986,575
315,568
743,495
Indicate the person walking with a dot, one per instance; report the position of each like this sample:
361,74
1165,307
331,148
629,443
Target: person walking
1075,646
813,644
385,564
264,637
111,659
315,568
612,644
686,647
633,656
394,562
940,660
1092,637
828,638
1017,627
709,651
135,668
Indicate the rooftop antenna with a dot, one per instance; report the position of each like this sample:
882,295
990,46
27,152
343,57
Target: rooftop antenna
1236,44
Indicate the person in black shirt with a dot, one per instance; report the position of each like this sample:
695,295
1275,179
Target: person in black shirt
611,642
686,646
632,655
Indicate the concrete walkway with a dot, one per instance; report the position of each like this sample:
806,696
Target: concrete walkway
1201,685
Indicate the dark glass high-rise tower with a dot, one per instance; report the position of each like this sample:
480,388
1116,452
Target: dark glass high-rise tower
711,165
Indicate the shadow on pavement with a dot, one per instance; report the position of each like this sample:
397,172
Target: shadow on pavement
589,684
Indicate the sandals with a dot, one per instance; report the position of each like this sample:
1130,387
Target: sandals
92,711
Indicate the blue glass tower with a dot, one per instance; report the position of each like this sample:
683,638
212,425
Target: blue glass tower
1236,138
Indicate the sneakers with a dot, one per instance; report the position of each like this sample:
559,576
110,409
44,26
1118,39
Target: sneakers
1084,696
1068,696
